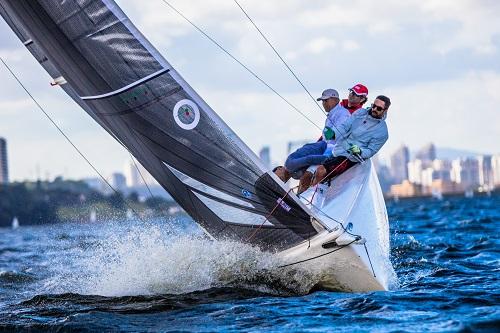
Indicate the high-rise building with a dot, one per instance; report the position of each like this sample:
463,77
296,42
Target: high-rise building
265,156
118,181
465,172
4,170
131,174
485,171
137,175
399,164
415,169
441,170
495,166
425,173
427,153
427,176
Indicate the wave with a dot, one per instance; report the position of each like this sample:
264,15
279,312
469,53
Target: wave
147,260
70,303
14,277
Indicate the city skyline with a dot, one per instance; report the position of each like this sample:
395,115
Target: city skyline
426,55
424,172
398,163
427,174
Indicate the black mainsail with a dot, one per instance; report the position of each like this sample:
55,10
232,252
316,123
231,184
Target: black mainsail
106,65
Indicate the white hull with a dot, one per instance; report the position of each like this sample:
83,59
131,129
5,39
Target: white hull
353,198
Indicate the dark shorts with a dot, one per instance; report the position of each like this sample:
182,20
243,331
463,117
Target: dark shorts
305,156
336,165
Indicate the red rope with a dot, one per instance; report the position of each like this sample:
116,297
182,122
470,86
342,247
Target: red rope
286,194
270,214
317,185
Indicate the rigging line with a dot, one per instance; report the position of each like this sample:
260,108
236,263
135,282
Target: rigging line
318,256
280,57
334,220
270,214
369,259
337,221
66,137
288,67
133,160
241,64
140,173
321,180
131,156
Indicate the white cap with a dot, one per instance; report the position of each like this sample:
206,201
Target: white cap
328,93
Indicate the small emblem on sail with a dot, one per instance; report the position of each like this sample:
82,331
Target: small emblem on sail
284,205
246,193
186,114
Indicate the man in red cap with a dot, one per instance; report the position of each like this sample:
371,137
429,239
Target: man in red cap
358,95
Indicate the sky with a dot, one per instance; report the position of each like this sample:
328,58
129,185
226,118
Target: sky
438,61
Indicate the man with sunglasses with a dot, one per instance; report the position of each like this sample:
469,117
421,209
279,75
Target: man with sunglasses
358,95
358,138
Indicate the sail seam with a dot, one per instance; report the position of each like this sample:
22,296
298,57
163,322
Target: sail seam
127,87
144,106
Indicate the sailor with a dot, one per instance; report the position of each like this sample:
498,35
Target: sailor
313,153
359,138
358,95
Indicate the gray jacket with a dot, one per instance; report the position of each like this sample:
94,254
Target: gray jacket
363,130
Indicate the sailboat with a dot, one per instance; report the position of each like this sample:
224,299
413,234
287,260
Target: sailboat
98,57
15,223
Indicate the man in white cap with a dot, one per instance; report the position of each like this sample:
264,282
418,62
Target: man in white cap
314,153
337,114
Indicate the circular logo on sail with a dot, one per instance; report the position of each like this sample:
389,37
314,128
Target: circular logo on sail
186,114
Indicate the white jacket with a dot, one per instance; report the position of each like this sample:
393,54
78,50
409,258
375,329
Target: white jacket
336,117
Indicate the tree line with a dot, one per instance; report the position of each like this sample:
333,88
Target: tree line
42,202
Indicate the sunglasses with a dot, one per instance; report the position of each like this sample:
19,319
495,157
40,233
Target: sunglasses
377,108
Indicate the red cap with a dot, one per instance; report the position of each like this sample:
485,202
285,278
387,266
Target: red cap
360,90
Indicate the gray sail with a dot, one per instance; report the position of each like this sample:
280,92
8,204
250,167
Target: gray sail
105,64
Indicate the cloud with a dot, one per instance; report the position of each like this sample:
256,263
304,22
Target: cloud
11,108
13,55
437,60
461,112
350,45
319,45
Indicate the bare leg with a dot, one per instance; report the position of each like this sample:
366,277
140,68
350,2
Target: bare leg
282,173
320,175
305,181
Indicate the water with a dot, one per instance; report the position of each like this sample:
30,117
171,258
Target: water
133,277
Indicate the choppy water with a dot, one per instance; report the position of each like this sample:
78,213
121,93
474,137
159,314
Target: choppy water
133,277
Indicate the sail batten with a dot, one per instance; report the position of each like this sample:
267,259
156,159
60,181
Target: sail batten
129,86
124,84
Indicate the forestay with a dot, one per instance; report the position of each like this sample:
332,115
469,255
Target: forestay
105,64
